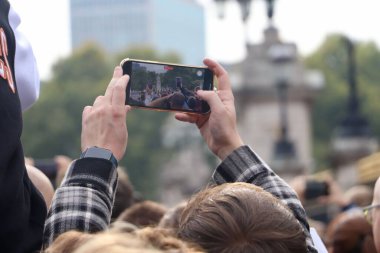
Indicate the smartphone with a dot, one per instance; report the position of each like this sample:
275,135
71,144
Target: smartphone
167,86
315,189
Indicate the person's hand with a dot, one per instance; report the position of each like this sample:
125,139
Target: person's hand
104,123
218,128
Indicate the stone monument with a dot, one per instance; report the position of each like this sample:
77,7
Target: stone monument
352,138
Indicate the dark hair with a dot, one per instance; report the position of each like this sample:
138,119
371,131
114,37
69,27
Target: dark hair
176,101
146,213
350,232
124,194
172,217
240,217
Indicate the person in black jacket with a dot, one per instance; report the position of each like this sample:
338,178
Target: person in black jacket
22,208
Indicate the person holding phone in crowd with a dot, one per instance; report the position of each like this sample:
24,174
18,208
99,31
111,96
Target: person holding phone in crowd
91,209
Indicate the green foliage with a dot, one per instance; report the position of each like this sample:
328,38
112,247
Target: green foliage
331,104
149,54
53,125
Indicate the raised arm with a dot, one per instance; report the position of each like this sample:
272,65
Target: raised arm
240,163
84,200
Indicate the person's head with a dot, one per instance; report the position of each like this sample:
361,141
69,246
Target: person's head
240,217
68,242
176,101
376,215
146,213
146,240
360,195
172,217
349,232
124,194
63,164
42,183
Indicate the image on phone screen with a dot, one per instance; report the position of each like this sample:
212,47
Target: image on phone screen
167,86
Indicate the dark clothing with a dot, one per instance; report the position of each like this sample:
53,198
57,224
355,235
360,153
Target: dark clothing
22,208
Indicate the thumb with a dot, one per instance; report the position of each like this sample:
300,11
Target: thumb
212,98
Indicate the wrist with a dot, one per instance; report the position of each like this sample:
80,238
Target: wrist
225,151
101,153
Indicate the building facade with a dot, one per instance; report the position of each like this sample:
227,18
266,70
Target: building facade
256,81
166,25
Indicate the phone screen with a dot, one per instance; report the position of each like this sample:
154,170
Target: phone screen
165,86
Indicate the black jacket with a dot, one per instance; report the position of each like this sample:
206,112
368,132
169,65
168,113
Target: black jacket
22,208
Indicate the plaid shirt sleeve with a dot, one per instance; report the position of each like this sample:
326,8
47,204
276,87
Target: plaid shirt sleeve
84,200
243,165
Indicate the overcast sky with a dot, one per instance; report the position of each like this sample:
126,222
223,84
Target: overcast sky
305,22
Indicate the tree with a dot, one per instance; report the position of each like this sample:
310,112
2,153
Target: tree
53,125
331,104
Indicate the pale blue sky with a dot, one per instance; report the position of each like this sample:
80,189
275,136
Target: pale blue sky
305,22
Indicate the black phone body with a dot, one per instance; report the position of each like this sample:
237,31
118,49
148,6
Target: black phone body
167,86
315,189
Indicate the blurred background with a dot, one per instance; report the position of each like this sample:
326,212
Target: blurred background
305,76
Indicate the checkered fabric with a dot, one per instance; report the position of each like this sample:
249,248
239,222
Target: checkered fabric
84,200
243,165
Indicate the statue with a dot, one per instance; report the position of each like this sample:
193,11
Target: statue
270,9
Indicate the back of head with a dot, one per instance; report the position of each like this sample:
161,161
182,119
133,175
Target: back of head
124,194
360,195
350,232
176,100
172,217
146,240
68,242
238,218
146,213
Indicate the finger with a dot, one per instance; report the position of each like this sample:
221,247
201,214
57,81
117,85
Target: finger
128,108
117,73
211,98
99,100
119,91
220,73
184,117
86,110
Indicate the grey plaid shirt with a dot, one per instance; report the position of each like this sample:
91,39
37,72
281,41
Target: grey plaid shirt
243,165
84,200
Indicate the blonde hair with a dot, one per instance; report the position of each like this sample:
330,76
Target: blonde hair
68,242
147,240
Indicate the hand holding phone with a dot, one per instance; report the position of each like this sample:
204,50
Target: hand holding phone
218,129
167,86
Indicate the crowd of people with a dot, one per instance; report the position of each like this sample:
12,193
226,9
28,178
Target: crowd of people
93,208
179,98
